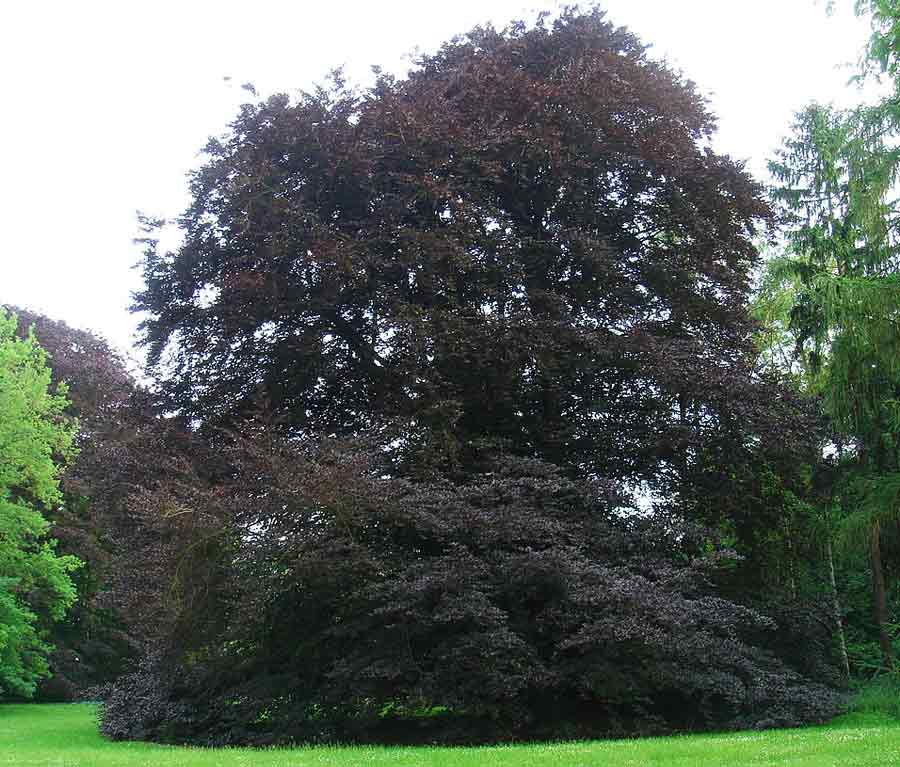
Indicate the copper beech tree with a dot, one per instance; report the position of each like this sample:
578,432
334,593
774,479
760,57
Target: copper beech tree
519,275
527,241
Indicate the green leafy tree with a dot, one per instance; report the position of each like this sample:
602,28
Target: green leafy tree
834,294
882,53
35,436
94,642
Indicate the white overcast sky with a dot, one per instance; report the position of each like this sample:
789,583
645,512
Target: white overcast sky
106,104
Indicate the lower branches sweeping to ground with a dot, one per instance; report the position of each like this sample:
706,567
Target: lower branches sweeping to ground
321,601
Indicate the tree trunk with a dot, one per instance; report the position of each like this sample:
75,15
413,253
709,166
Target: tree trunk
836,606
880,593
792,560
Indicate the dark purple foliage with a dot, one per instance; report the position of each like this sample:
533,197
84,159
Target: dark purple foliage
522,270
519,604
525,242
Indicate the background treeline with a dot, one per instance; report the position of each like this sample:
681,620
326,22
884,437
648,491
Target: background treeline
466,423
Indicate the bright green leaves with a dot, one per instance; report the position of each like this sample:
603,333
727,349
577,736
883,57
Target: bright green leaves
834,295
835,291
881,52
35,437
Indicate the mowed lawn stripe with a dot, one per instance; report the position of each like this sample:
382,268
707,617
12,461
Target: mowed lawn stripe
66,736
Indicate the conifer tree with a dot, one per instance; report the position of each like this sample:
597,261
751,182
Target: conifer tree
835,293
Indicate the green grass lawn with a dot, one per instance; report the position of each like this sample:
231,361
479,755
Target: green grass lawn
66,736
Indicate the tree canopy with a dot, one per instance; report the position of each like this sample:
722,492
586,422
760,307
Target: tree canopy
35,435
526,242
427,340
